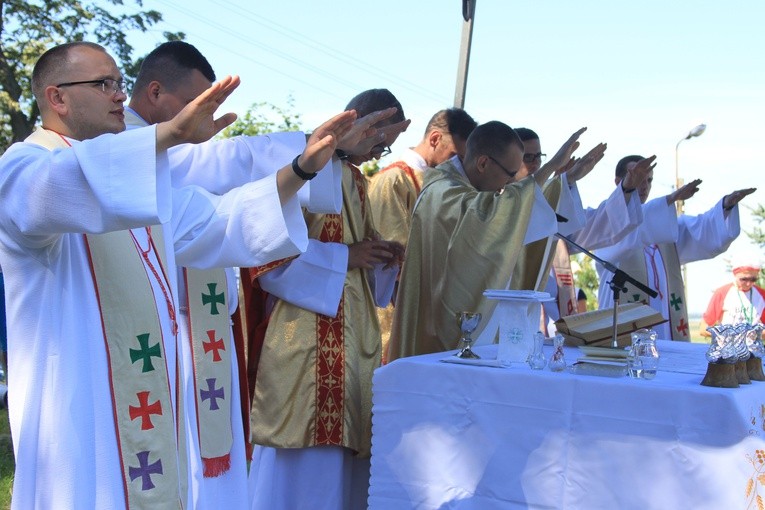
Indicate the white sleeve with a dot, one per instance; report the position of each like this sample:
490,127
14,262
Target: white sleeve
314,280
611,222
221,165
659,226
570,207
112,182
543,222
245,227
707,235
383,282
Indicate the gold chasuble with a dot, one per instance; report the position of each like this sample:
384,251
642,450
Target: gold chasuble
536,258
314,379
635,265
462,242
153,465
392,194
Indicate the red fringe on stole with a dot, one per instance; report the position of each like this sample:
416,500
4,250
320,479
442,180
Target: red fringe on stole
216,466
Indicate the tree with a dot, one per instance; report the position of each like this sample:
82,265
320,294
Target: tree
29,27
586,278
264,118
757,234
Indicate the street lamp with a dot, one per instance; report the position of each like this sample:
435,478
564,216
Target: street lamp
697,131
468,15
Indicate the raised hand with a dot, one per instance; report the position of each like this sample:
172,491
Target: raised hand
730,201
322,143
685,192
561,158
638,173
363,135
584,165
195,123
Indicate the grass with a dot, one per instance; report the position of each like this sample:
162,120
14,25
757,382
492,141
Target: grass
7,465
693,324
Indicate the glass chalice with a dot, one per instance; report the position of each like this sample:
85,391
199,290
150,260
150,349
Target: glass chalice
467,322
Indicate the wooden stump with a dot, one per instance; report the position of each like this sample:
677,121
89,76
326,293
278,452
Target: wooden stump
741,373
721,375
754,368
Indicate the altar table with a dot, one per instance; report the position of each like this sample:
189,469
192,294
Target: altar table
449,436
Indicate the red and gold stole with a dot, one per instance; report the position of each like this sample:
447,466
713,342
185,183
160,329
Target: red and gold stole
409,171
330,340
154,474
564,279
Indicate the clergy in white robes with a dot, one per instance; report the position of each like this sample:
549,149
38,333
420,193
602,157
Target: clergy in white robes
653,253
58,195
614,218
217,436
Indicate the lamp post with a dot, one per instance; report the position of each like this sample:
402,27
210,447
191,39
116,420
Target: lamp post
468,15
697,131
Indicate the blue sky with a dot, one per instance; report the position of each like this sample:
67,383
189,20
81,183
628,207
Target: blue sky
640,75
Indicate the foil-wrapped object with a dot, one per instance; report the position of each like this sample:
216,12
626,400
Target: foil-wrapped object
735,342
754,340
721,348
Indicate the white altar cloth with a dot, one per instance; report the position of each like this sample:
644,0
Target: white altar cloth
448,436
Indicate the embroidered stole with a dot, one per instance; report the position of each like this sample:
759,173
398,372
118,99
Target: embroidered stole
409,171
154,473
635,266
330,339
564,279
209,329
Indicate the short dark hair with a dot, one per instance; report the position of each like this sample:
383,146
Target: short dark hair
490,139
52,63
454,121
170,63
373,100
621,166
526,134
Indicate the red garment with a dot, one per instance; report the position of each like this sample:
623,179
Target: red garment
714,312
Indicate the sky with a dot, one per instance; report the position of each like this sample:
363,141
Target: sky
639,75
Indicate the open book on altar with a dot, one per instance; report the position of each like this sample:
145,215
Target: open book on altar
596,327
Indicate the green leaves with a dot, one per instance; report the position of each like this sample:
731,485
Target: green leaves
29,27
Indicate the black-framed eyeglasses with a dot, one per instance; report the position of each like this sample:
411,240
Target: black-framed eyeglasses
380,150
107,85
508,172
530,158
750,279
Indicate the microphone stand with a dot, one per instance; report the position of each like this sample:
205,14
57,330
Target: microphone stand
616,284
